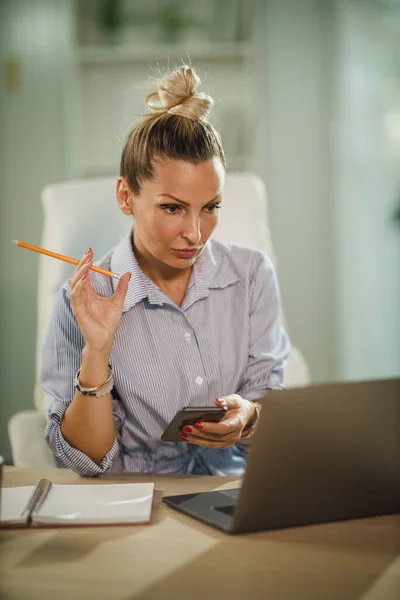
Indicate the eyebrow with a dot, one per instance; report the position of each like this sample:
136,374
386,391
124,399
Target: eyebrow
187,203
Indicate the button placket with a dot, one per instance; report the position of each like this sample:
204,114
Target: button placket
190,337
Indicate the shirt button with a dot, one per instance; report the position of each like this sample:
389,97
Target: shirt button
188,336
199,380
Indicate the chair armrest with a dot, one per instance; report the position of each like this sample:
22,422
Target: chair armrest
28,446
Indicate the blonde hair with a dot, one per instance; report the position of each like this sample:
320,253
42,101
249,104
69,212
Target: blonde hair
177,128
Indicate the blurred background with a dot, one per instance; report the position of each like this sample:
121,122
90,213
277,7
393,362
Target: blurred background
307,96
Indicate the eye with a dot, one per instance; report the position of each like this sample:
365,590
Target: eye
170,209
211,208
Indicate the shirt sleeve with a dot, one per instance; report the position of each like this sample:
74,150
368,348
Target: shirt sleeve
61,358
268,343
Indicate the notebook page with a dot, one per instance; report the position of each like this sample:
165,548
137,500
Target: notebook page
97,504
13,502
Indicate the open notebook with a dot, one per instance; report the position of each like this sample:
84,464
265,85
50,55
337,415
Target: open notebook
91,504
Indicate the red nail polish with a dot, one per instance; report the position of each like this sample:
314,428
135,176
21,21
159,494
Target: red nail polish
199,425
187,429
183,437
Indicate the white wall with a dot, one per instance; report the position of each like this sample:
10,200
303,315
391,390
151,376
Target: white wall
32,153
330,160
293,159
366,176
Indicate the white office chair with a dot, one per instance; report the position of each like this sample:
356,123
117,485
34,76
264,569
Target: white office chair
83,213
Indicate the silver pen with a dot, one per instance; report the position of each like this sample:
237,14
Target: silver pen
37,498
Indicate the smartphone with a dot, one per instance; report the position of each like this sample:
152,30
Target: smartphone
189,416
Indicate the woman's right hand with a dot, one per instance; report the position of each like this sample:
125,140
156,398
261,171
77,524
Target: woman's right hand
98,318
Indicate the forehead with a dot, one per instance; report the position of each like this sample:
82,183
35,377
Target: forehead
188,181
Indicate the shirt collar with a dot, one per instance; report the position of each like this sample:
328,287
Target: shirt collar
123,260
212,269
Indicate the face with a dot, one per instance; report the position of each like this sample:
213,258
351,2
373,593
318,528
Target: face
176,212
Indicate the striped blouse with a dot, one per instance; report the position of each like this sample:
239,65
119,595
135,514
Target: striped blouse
225,338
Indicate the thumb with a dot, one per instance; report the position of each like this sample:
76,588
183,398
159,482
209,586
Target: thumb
122,288
230,401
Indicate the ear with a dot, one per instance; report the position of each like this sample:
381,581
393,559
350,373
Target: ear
124,196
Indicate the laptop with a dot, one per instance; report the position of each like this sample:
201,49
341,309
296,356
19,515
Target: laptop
320,453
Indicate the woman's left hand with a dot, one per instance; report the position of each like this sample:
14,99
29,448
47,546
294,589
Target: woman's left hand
228,431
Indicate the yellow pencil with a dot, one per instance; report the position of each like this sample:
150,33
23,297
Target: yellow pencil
67,259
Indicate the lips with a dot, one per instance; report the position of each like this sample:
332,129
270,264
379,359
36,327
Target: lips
185,253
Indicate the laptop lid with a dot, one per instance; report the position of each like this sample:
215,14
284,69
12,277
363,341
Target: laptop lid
323,453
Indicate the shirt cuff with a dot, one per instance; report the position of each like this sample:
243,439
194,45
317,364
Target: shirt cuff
72,458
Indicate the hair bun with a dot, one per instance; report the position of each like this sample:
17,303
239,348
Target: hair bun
177,95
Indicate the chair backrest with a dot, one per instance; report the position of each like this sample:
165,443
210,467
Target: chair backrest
83,213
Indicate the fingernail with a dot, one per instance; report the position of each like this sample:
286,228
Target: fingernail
219,400
183,437
187,429
199,425
87,251
84,277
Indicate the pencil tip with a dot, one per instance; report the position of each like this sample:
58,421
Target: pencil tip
14,241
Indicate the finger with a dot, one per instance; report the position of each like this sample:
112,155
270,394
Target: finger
231,401
221,439
225,427
80,272
88,254
198,431
192,439
83,284
121,289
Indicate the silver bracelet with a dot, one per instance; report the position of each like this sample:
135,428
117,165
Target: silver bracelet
99,390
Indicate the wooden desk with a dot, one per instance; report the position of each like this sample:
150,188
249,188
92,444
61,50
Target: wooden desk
177,557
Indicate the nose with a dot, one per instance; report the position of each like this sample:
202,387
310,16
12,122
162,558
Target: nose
192,231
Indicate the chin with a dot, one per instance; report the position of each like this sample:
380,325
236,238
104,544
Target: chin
180,263
183,264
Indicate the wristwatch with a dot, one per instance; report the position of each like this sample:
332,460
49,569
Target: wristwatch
249,432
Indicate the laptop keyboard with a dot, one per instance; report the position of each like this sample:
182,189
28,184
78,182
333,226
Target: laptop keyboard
227,510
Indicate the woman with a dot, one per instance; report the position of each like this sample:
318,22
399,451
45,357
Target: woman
190,321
